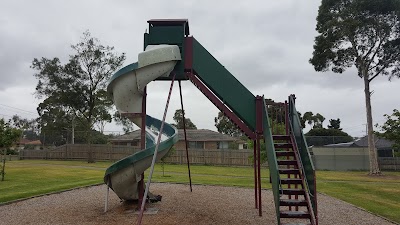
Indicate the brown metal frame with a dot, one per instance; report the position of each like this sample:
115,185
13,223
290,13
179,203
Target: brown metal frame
184,130
142,145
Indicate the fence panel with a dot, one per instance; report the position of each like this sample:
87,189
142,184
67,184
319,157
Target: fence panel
227,157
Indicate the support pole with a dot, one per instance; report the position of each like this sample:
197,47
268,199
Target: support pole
255,173
184,130
107,194
155,152
259,132
259,175
142,146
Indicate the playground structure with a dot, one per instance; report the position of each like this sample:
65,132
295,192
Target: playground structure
171,54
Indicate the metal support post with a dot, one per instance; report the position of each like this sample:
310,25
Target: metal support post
184,130
155,153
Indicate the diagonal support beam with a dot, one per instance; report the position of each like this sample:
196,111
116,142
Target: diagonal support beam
220,105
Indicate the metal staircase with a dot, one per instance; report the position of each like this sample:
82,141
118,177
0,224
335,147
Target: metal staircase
296,196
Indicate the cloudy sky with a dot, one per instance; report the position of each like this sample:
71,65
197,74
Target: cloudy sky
265,44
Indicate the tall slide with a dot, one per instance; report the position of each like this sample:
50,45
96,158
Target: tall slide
127,88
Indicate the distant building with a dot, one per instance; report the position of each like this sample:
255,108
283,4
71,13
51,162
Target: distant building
383,146
24,143
197,139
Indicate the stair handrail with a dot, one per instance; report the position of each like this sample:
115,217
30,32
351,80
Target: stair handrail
293,115
272,161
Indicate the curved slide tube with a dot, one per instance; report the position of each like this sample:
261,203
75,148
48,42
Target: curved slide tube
126,88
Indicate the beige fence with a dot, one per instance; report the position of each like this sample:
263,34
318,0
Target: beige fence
232,157
80,152
228,157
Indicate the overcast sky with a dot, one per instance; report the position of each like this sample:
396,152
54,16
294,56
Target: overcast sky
265,44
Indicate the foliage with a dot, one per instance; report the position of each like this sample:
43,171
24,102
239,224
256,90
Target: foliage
391,128
8,134
225,126
334,124
29,127
76,90
323,136
127,125
364,34
178,118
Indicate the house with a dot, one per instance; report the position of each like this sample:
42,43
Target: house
197,139
383,146
350,155
24,143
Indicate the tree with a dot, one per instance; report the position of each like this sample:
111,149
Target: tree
225,126
29,127
334,124
318,120
309,118
391,129
322,136
127,125
76,90
178,118
364,34
8,136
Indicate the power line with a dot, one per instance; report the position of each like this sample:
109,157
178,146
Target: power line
23,110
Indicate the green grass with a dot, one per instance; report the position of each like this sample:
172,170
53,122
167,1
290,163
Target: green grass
29,178
378,194
26,178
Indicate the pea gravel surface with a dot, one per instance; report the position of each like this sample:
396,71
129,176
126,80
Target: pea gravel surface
205,205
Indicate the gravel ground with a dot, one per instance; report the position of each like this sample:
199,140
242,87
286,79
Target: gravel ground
205,205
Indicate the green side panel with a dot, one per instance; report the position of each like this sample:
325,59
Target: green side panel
305,156
224,85
171,35
272,160
168,130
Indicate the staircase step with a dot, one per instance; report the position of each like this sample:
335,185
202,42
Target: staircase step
287,162
295,223
283,145
280,137
291,181
290,191
284,153
295,214
292,202
289,171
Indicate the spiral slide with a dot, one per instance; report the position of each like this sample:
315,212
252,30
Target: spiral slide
127,88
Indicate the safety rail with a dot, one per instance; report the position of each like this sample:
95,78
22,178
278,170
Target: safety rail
272,160
305,160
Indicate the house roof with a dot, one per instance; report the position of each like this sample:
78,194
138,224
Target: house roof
192,135
380,143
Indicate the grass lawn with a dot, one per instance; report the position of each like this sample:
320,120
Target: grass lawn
380,194
25,178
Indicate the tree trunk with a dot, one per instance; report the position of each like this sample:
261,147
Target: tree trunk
373,156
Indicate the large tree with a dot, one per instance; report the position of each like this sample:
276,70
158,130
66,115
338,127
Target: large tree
364,34
74,93
178,118
225,126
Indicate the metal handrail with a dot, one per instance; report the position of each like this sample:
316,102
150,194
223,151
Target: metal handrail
298,156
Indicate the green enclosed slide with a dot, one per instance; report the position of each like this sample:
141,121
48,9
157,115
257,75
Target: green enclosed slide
127,89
